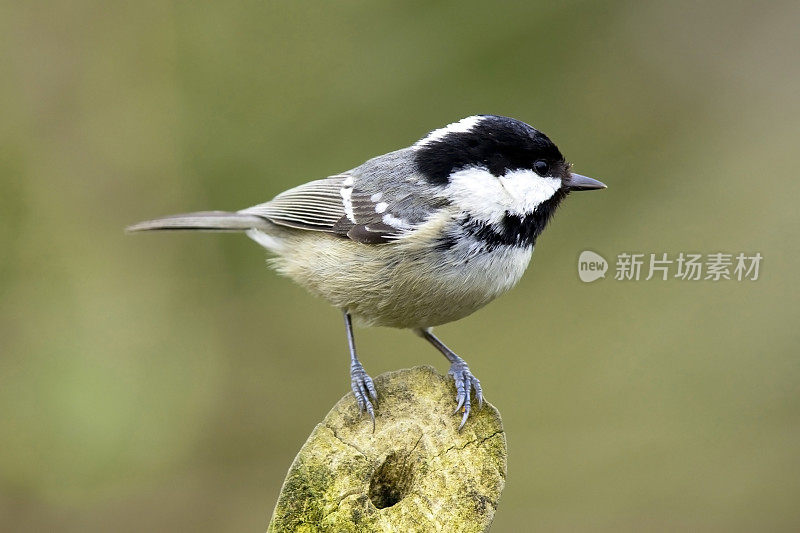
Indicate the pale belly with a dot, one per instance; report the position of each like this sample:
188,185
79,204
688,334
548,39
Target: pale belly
403,285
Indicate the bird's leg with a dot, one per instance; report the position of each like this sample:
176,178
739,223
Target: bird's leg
464,379
360,382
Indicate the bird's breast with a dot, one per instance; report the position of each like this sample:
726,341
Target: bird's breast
411,283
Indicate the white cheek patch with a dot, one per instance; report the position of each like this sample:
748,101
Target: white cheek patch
476,191
462,126
487,197
528,189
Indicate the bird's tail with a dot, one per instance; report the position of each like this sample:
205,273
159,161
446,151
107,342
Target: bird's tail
204,221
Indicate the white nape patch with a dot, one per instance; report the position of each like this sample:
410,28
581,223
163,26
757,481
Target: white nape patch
381,207
267,241
462,126
348,181
395,222
375,197
485,196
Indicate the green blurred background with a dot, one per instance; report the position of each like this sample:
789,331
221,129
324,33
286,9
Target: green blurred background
164,382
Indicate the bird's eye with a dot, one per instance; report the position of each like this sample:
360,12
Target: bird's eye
541,167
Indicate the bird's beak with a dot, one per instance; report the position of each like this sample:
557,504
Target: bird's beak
583,183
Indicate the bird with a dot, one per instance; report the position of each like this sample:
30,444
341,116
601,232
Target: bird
414,238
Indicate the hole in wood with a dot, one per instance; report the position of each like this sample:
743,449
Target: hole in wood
391,481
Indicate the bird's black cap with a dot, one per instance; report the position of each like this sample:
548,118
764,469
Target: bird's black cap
499,144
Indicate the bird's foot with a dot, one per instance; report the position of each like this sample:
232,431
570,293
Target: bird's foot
465,383
363,390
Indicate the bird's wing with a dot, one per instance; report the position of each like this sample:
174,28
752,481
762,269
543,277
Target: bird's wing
377,210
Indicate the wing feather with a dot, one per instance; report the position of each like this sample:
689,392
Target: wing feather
335,205
380,201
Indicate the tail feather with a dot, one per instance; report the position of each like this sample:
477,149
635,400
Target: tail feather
203,221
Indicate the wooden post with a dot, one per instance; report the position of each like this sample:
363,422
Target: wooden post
416,472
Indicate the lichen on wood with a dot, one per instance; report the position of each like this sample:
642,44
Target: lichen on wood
416,472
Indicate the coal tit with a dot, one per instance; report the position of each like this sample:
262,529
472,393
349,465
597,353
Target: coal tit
414,238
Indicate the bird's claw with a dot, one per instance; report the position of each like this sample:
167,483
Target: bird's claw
465,383
363,390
